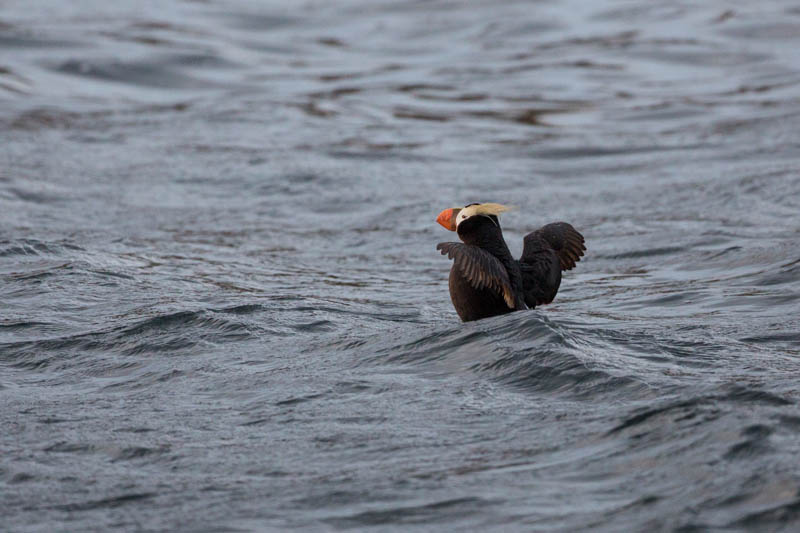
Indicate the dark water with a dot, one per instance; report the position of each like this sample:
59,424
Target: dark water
222,309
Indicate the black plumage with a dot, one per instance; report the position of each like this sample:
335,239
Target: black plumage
486,280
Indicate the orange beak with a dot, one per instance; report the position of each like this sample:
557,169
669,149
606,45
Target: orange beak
447,218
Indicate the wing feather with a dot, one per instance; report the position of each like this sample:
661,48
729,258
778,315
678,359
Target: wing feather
565,241
545,254
480,268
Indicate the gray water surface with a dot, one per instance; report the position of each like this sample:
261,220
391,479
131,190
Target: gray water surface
223,310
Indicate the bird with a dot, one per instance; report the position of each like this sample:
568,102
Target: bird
485,280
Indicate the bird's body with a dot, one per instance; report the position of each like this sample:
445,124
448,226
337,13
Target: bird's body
471,303
486,280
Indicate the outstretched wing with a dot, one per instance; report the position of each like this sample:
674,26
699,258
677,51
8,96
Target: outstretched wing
561,237
480,268
546,252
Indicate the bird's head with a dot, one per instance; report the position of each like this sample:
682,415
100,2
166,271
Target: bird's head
451,218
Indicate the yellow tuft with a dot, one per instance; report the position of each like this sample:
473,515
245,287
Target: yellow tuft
491,209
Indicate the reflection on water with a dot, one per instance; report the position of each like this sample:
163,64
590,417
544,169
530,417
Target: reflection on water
223,309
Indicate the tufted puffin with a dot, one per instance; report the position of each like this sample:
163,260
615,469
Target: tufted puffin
486,280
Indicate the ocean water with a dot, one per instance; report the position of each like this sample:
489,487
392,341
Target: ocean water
222,308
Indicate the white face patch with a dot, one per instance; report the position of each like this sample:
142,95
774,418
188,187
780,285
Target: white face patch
480,210
463,215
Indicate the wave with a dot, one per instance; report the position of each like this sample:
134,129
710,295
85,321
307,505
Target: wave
96,351
526,351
